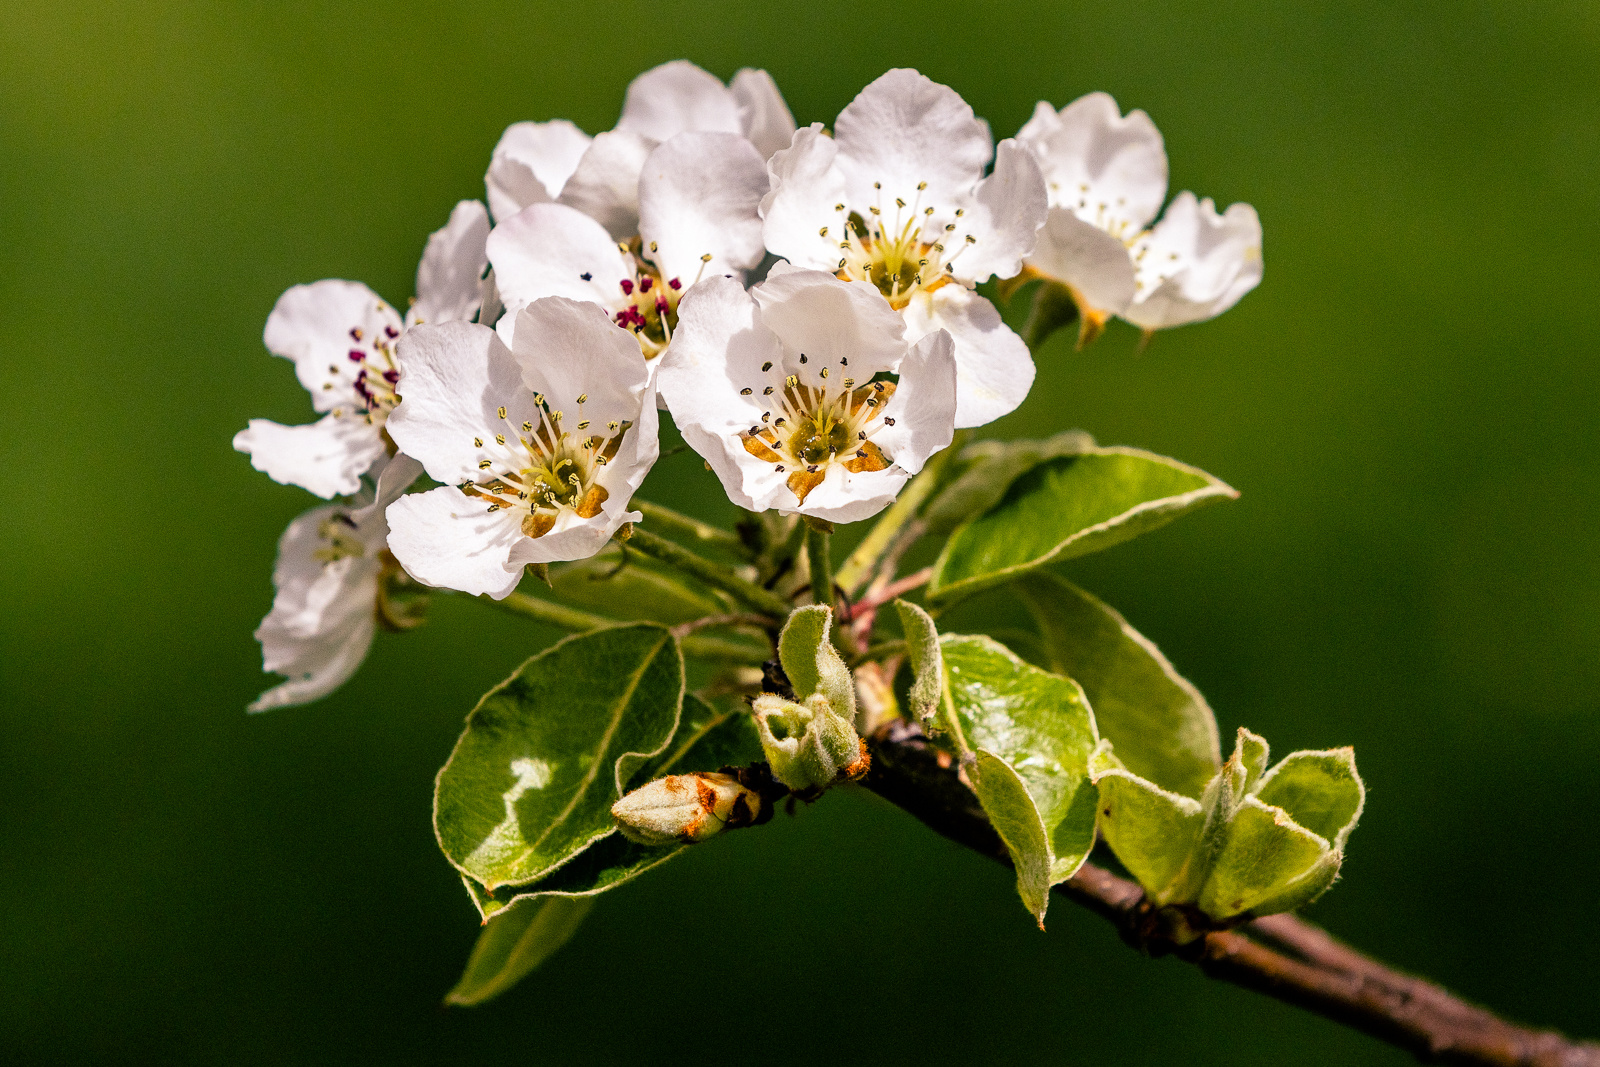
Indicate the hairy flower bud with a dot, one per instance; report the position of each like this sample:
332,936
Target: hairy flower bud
809,746
685,808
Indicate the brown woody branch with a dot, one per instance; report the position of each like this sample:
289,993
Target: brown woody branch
1279,955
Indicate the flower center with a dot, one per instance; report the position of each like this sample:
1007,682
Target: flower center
376,372
811,427
891,252
542,469
339,540
649,305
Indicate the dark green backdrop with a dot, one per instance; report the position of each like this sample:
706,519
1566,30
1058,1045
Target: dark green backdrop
1407,404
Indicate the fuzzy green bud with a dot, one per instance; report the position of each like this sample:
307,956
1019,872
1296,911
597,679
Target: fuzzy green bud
808,745
685,808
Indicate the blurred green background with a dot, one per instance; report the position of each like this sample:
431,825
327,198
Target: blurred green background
1407,404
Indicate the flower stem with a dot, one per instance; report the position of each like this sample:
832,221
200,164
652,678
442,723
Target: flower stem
687,527
562,617
713,574
817,554
860,564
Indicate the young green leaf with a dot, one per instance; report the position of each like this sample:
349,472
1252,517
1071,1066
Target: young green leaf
513,943
1320,790
990,468
546,753
1263,854
812,663
1153,832
1160,725
927,665
1010,807
1066,507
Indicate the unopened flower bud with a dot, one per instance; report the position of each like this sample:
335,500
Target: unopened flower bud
685,808
809,746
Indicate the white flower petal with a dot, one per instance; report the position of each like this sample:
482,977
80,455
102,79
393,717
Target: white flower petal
567,348
316,668
763,116
449,540
846,497
450,276
453,377
806,183
1005,214
994,370
1094,263
546,250
698,195
1107,168
1196,264
904,129
677,96
312,324
395,475
605,186
924,404
813,312
327,457
531,163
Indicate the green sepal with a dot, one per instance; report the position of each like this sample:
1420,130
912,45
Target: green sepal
927,664
1066,507
1162,728
812,663
989,469
513,943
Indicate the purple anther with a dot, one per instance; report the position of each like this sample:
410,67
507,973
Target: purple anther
356,355
391,332
675,284
645,283
627,287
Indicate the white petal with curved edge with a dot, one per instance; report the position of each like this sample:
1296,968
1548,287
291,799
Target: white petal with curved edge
450,276
449,540
763,116
994,370
327,457
531,163
805,184
312,325
813,312
570,348
698,195
845,497
395,476
1196,264
546,250
1089,259
605,186
453,377
1108,169
924,404
315,668
675,97
904,129
1005,214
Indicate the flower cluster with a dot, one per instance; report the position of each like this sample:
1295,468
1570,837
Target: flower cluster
801,301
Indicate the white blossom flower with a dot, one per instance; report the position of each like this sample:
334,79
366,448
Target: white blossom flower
341,336
785,391
540,449
898,198
540,162
1107,176
330,576
698,200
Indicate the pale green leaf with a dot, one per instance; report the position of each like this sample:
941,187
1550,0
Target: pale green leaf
927,665
546,753
1015,817
990,468
1153,832
513,943
639,589
812,663
1262,855
1320,790
1066,507
1160,725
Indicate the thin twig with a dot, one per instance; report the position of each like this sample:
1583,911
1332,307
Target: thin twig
684,629
713,574
861,563
685,526
878,597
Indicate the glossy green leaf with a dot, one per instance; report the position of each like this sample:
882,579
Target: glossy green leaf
1320,790
514,943
1066,507
1153,832
927,665
1039,725
812,663
639,588
1263,853
1160,725
990,468
546,753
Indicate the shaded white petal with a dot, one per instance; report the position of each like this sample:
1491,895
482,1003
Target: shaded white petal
546,250
316,668
904,129
450,276
605,185
1005,214
698,195
531,163
667,100
327,457
845,497
567,348
1089,259
806,183
813,312
312,324
1109,169
452,378
395,475
763,116
924,404
449,540
1195,264
994,370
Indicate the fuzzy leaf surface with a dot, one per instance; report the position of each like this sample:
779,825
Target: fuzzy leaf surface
1320,790
927,663
513,943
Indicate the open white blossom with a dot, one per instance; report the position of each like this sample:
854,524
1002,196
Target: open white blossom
330,579
698,200
540,450
898,198
341,336
1107,177
785,390
540,162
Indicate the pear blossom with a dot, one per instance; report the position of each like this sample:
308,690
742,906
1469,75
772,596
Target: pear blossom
540,448
342,336
698,199
331,578
898,198
541,162
1107,177
784,390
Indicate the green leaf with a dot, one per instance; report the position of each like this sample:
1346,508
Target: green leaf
546,753
1263,855
1320,790
1066,507
514,943
640,589
812,663
1040,727
1160,725
990,468
1153,832
927,665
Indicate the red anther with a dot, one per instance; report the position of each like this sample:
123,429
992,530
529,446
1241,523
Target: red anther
356,355
645,283
675,284
627,287
391,332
